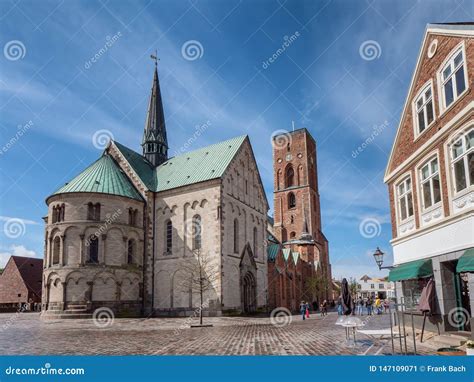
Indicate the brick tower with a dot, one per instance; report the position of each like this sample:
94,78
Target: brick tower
297,212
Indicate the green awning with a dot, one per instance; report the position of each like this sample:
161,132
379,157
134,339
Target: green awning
412,270
466,261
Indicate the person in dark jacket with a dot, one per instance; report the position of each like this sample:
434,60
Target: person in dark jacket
303,310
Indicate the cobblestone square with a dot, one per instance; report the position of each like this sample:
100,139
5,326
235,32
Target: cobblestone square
27,334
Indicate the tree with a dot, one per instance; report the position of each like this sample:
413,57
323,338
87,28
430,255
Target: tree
353,286
317,284
200,272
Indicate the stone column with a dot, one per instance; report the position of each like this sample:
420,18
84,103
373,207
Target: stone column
49,252
63,302
118,295
61,249
81,249
125,246
46,302
102,249
89,295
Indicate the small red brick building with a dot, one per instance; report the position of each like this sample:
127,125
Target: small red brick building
20,283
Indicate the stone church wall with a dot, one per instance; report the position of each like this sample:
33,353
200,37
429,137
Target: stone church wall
243,201
180,206
69,279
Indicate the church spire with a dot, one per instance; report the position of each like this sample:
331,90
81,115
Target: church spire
155,143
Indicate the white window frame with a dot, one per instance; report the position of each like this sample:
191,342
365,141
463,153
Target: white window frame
463,156
429,180
421,93
398,198
450,61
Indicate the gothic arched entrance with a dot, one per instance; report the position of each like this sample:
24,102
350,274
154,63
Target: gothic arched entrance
248,281
249,293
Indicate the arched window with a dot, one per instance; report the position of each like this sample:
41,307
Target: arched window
131,217
58,213
236,236
56,249
55,214
169,237
292,235
255,237
289,177
197,232
93,211
130,251
93,249
291,200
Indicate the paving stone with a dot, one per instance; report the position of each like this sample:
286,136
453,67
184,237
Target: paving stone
27,334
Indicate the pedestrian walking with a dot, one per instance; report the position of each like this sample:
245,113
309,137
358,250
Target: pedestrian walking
339,307
385,306
369,306
303,310
360,305
307,310
324,308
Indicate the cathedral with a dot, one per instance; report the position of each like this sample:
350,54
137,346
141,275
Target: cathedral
143,234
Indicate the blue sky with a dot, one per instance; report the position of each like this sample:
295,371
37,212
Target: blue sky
344,72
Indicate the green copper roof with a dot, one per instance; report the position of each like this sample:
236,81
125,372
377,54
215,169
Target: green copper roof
103,176
197,166
143,168
106,176
272,251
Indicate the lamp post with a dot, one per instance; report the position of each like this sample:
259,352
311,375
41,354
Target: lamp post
378,257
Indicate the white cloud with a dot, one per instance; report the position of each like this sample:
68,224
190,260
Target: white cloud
25,221
16,250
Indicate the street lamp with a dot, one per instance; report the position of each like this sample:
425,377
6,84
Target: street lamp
378,256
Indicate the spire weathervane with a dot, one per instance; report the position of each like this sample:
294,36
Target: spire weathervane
155,57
